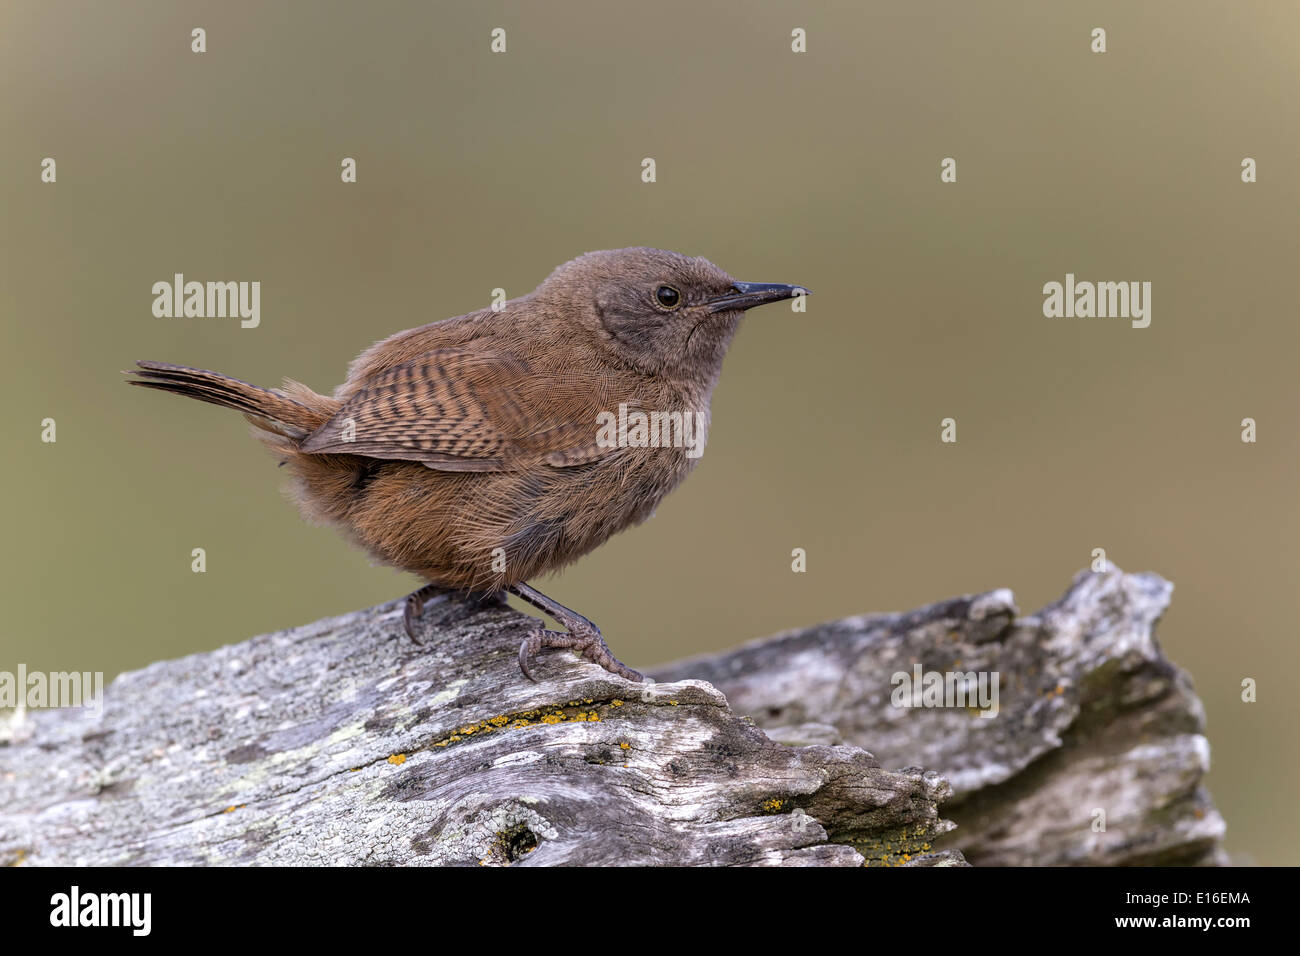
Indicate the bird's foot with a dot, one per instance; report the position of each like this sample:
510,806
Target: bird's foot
589,643
579,634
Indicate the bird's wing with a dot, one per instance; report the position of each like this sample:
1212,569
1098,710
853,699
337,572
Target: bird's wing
461,410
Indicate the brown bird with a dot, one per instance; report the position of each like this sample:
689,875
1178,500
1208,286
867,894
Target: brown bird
478,451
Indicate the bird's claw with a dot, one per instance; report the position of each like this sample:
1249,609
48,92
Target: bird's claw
414,609
410,614
591,645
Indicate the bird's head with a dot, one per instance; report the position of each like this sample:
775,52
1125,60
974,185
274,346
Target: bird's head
660,312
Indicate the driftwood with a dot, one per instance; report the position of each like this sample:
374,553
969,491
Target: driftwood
341,743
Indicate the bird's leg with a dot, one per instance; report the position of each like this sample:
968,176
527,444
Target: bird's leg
582,636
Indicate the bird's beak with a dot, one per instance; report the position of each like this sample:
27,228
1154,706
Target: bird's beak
746,295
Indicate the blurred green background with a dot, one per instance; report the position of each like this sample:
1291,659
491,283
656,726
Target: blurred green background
479,170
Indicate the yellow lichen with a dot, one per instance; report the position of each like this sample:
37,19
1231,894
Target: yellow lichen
894,848
570,713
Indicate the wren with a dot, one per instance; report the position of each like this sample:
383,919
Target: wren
477,452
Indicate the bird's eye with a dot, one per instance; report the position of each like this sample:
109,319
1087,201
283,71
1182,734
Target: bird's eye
668,296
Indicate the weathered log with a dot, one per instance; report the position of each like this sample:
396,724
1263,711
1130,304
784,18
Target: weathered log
341,743
1095,727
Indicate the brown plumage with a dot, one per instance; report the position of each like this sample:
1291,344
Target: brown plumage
469,451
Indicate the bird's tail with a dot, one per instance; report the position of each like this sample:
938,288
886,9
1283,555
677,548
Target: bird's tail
292,414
